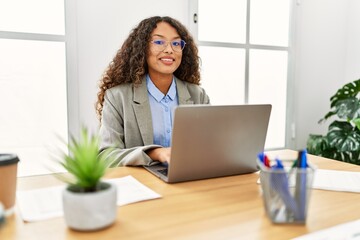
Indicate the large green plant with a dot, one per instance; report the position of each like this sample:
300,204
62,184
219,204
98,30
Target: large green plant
342,141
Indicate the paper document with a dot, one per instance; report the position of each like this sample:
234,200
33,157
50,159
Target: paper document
40,204
346,231
130,190
45,203
337,180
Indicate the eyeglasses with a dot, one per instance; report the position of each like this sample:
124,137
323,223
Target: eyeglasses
176,45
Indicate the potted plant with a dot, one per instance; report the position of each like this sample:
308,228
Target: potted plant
342,141
89,203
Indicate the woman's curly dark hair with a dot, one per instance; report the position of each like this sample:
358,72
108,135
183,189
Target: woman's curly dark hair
129,64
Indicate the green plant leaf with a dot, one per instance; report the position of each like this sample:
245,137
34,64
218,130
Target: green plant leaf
348,108
319,145
353,157
328,115
84,163
357,123
349,90
316,144
343,136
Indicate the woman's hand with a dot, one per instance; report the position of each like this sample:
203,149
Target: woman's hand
160,154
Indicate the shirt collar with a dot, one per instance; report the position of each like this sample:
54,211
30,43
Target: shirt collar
156,93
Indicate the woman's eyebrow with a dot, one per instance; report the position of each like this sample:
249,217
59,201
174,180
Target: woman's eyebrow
157,35
161,36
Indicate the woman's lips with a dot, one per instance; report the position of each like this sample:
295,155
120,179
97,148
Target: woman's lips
167,61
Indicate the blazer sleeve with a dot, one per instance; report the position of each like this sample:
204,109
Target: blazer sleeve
205,98
112,136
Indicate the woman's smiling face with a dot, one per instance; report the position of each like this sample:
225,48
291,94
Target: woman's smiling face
163,62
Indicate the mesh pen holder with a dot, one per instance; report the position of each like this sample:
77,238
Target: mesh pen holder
286,193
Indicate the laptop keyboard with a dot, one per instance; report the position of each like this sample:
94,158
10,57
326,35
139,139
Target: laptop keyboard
163,171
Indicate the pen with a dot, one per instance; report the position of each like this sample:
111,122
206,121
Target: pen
300,188
261,157
264,159
279,164
279,182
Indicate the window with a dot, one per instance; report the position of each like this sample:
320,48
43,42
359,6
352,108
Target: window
33,81
244,50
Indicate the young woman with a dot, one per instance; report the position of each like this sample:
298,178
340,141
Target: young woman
155,70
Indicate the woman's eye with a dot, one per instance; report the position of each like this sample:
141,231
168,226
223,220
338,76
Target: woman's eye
176,44
159,42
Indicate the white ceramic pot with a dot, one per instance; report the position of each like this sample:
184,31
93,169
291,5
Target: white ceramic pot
91,210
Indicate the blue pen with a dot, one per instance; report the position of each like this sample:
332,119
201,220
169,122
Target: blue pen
264,159
300,191
279,182
261,157
303,159
279,164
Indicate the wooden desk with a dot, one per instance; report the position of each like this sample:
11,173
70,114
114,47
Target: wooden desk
221,208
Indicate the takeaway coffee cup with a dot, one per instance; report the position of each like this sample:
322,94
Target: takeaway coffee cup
8,173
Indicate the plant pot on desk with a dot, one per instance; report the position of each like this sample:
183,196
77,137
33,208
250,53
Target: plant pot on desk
89,211
88,202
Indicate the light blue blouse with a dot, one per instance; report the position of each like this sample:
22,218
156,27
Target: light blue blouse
162,111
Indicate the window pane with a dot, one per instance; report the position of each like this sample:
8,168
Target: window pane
268,84
222,21
33,101
223,74
32,16
269,22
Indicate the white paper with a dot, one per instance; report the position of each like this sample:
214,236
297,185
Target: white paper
337,180
46,203
346,231
130,190
40,204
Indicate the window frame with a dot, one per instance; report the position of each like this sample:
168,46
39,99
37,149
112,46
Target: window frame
71,59
290,113
70,40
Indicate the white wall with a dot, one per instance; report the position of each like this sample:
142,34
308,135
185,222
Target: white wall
102,26
327,56
352,68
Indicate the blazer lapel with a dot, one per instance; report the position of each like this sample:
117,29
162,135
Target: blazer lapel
143,113
183,93
142,108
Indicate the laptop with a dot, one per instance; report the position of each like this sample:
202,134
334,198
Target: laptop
211,141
